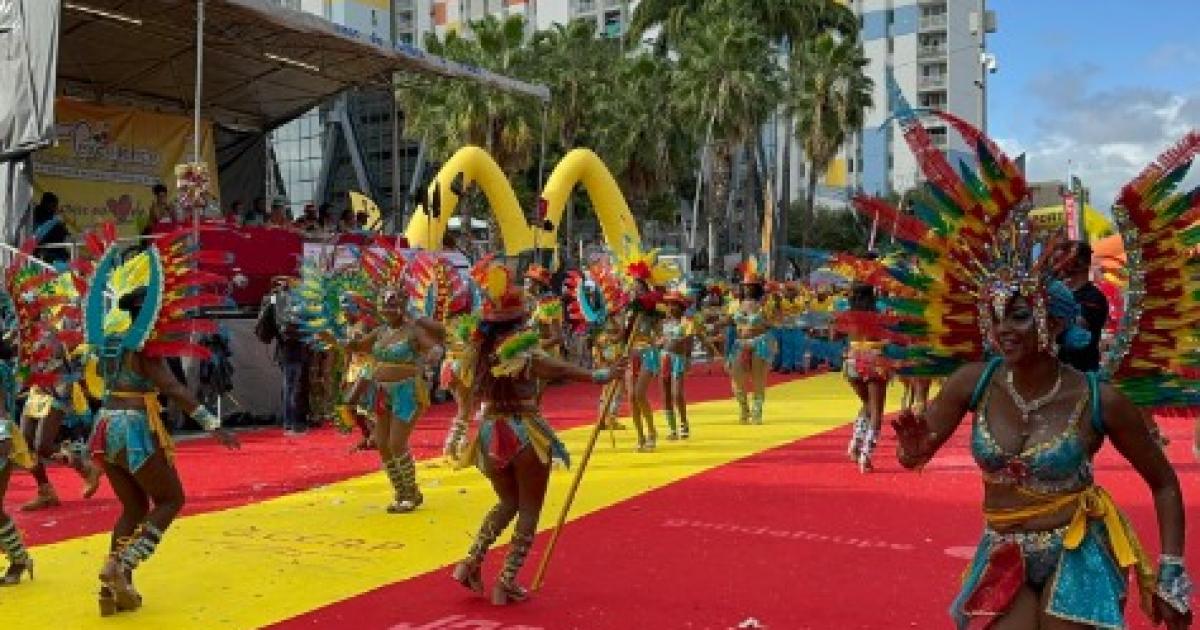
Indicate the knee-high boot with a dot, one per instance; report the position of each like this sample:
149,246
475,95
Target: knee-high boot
468,572
404,478
506,589
19,561
743,405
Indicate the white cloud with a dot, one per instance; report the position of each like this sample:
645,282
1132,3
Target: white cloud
1105,136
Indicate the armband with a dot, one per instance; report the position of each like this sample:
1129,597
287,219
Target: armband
601,375
1174,586
206,419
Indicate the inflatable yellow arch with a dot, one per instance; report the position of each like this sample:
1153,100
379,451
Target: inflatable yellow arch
476,166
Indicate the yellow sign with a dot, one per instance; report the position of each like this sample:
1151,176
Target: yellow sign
107,159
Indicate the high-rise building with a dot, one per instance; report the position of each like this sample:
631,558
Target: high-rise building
611,16
931,52
935,53
346,144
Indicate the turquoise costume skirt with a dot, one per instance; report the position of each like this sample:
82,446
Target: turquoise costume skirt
404,400
760,347
678,364
1085,584
651,360
126,430
500,437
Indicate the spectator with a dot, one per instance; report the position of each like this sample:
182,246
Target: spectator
347,222
279,217
258,214
234,215
50,233
309,221
160,210
325,218
277,323
1076,274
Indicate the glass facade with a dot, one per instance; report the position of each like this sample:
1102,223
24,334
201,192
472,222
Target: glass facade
298,153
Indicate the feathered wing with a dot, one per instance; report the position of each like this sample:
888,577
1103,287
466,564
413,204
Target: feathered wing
41,308
1154,357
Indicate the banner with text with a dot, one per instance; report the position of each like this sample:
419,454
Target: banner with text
106,159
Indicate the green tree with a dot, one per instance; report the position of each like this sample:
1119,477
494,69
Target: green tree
829,95
726,78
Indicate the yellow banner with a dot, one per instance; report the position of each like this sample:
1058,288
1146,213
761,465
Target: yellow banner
107,159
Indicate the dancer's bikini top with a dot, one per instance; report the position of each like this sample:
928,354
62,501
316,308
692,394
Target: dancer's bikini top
126,379
1061,464
396,352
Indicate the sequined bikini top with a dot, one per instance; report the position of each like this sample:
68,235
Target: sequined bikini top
396,352
1059,465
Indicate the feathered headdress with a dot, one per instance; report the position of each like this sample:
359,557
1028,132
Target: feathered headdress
166,325
327,301
751,271
502,298
438,287
594,295
634,265
538,273
968,250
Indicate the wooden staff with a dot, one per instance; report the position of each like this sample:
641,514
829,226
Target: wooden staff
609,393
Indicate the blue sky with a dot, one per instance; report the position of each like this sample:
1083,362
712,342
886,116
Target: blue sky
1107,84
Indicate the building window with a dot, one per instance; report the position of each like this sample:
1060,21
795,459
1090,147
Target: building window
612,24
933,100
891,45
891,16
849,165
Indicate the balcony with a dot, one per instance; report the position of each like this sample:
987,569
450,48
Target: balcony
932,82
933,22
584,6
932,52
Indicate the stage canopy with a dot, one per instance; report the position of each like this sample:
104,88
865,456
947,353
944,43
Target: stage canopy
263,64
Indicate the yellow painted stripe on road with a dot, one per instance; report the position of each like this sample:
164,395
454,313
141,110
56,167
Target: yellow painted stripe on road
253,565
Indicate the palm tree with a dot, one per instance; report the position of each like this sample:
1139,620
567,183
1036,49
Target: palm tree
727,81
451,114
829,95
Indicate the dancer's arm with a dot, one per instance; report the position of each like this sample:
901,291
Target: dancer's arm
1123,423
164,381
920,437
548,367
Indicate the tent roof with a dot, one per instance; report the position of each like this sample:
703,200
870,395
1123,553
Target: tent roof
263,64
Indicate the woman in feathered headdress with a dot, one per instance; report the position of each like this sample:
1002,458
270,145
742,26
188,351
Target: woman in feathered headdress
396,391
29,358
1056,550
752,348
512,443
647,275
679,337
139,309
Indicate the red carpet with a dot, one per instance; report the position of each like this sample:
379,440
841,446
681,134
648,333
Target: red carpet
793,538
270,464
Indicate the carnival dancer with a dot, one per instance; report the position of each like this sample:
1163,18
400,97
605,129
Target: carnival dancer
28,294
14,452
458,365
868,372
138,311
1056,549
512,444
397,393
679,337
751,350
595,298
648,276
